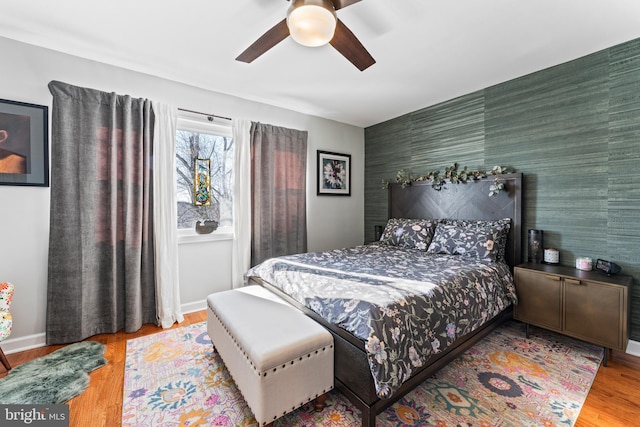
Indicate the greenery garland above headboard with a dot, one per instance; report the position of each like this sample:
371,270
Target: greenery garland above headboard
452,175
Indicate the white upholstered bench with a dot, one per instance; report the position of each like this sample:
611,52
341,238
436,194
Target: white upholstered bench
279,358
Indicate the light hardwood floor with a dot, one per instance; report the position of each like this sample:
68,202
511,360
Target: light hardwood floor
614,399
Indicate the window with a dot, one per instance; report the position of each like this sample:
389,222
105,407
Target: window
197,141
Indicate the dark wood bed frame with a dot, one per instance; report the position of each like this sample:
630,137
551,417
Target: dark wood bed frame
418,200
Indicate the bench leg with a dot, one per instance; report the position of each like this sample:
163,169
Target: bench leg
318,403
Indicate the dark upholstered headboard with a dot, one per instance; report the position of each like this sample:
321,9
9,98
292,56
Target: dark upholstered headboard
469,200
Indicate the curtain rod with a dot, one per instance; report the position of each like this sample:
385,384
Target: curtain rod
210,116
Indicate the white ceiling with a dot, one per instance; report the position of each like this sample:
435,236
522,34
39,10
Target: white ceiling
427,51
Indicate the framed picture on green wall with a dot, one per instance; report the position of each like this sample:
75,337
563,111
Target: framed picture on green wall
334,174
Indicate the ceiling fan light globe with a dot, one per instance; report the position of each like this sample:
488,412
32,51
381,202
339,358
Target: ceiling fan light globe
311,23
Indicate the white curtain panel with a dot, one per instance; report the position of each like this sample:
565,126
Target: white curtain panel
241,257
165,215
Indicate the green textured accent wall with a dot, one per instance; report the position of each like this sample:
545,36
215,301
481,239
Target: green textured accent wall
573,130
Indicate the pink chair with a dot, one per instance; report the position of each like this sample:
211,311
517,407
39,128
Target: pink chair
6,293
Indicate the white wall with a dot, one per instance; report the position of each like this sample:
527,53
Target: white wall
24,211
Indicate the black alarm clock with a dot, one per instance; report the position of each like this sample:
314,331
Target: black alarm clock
607,267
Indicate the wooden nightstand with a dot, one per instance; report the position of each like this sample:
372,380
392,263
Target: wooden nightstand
587,305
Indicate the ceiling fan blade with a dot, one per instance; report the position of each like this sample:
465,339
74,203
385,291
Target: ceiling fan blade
275,35
350,47
341,4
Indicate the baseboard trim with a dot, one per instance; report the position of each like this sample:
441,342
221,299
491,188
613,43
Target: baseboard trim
633,348
29,342
190,307
15,345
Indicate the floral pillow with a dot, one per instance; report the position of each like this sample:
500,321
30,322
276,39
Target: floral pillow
408,233
484,240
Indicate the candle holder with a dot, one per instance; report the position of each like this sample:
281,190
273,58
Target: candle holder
536,251
378,229
551,256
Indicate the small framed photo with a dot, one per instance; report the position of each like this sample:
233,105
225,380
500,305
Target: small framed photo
334,174
24,147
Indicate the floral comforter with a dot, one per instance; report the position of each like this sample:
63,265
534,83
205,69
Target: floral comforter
405,305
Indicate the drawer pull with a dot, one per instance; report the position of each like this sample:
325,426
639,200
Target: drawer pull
573,281
556,278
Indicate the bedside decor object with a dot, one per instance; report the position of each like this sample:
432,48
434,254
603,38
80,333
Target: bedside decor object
584,263
334,174
206,227
607,267
24,151
535,252
377,234
551,256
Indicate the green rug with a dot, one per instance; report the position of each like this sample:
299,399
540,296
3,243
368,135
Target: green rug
54,378
176,378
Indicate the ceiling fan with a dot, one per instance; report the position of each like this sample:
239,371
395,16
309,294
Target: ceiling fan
313,23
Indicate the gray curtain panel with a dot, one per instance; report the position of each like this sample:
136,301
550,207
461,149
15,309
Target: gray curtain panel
278,191
101,268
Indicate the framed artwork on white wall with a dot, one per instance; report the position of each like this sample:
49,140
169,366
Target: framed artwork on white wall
24,148
334,174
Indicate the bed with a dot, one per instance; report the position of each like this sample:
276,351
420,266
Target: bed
401,309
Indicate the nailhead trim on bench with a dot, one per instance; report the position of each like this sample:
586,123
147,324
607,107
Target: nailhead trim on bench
291,362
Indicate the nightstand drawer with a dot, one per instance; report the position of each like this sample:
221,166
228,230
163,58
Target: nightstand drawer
594,312
539,299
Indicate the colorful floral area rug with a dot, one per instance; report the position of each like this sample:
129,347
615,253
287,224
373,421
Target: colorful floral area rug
176,378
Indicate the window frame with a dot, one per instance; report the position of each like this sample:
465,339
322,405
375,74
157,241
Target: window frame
188,121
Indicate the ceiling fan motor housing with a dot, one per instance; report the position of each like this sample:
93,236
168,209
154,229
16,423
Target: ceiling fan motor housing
312,22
